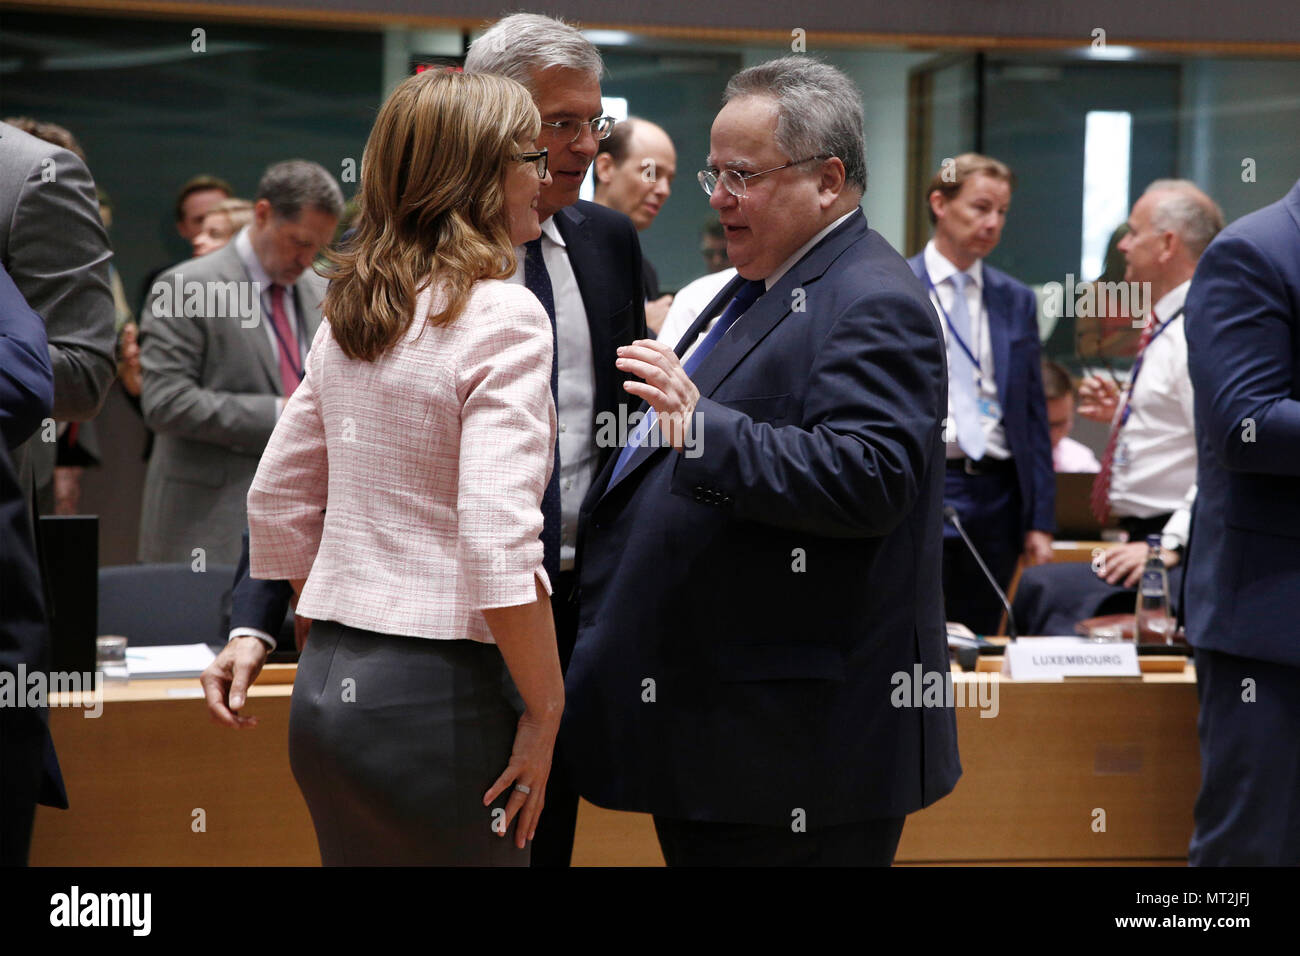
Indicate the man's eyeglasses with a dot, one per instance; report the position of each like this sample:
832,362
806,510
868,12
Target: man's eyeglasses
569,130
538,158
734,181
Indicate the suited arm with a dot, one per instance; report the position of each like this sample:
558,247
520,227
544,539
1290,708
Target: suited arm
59,256
26,377
1241,348
174,401
286,502
1042,513
507,446
257,608
871,426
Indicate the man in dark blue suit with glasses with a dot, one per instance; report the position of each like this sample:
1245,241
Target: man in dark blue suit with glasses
1242,581
759,566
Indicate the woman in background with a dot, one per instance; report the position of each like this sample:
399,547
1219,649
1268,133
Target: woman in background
404,484
220,225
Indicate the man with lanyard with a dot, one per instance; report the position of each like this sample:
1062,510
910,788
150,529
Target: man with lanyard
1148,472
999,450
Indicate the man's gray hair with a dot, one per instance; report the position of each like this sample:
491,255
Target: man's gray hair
524,44
1186,211
819,110
294,184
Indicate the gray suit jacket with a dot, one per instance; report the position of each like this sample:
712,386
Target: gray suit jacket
210,387
53,244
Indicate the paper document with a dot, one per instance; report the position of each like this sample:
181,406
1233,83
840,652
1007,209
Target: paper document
168,660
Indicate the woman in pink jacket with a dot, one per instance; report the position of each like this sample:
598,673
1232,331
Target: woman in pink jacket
401,494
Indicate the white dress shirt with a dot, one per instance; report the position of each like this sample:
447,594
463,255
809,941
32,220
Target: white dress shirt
943,294
1154,468
577,385
253,266
722,278
687,306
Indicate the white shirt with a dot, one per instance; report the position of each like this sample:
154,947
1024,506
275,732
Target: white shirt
687,306
1076,457
253,266
943,295
1154,469
576,405
719,279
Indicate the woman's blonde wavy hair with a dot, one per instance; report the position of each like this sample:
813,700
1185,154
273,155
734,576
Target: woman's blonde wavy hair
432,205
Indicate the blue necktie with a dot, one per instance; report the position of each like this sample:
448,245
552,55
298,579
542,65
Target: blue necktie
538,282
965,405
745,297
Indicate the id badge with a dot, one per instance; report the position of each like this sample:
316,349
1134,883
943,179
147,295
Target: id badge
989,408
1121,455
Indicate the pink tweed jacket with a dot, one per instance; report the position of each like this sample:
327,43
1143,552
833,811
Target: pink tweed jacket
408,490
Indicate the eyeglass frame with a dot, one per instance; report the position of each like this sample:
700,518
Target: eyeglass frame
539,158
608,121
717,175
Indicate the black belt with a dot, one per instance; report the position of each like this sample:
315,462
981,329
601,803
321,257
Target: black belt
982,466
1139,528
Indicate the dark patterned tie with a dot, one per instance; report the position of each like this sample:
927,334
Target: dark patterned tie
538,282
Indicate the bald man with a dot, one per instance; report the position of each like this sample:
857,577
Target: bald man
634,173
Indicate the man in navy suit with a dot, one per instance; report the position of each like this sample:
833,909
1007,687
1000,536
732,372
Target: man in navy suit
759,565
586,270
28,773
26,375
998,447
1242,577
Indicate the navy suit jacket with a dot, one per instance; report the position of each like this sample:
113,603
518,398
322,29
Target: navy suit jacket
1242,581
744,613
1012,312
26,376
605,254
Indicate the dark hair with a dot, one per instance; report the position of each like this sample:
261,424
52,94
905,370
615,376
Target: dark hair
294,184
1056,380
713,229
949,179
199,184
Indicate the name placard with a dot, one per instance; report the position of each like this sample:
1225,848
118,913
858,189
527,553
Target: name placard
1055,658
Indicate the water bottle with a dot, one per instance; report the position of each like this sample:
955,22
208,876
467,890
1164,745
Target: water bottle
1154,625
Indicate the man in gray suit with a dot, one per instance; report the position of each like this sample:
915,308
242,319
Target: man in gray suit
53,244
223,341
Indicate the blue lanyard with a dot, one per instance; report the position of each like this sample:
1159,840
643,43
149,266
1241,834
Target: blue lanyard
1137,365
979,367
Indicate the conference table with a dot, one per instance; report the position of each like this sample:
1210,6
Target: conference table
1081,772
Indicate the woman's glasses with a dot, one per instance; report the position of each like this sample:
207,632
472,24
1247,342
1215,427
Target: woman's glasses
538,158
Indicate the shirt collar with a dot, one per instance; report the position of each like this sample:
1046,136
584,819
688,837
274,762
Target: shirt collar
552,232
786,266
252,265
1171,301
549,231
941,269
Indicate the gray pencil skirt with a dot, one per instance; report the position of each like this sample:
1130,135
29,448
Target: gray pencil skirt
394,741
